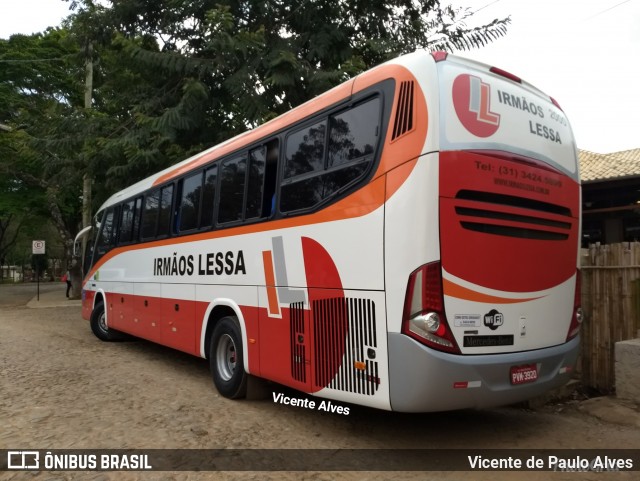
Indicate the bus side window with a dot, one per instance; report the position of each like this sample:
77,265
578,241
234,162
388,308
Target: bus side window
126,222
231,195
271,174
353,137
107,235
150,214
190,201
255,185
164,217
302,186
208,196
312,173
136,219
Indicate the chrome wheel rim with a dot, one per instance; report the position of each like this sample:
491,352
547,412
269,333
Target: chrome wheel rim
226,357
102,322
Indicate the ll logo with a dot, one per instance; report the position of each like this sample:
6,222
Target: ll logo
472,102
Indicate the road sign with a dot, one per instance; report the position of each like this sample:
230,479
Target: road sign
38,247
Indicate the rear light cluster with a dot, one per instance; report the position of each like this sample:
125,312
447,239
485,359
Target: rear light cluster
424,318
578,316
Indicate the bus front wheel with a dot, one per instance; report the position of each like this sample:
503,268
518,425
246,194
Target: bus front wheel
99,324
226,359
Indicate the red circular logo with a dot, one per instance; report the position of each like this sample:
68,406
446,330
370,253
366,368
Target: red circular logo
472,102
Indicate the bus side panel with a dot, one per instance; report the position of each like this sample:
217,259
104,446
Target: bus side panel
111,299
284,346
120,305
178,317
411,229
148,309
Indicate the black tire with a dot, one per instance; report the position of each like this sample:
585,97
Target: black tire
99,324
226,359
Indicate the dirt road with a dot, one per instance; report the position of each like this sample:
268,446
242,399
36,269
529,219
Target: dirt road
61,388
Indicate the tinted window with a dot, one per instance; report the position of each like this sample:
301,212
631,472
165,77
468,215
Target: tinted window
208,196
107,232
136,219
255,188
164,219
232,190
353,134
150,214
305,150
126,221
353,137
301,194
190,202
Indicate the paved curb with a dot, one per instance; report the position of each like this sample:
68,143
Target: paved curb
53,299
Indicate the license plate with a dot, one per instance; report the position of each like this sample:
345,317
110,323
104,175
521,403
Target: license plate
524,374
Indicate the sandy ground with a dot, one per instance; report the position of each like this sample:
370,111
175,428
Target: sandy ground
61,388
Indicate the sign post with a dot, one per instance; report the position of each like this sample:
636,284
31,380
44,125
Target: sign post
38,248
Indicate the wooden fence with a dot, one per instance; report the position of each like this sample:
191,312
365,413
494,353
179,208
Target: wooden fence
611,304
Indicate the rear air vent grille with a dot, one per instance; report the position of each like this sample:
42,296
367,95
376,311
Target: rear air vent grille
404,111
494,214
513,201
298,352
527,219
510,231
345,343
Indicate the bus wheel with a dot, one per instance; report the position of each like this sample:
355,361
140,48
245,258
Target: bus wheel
99,324
226,359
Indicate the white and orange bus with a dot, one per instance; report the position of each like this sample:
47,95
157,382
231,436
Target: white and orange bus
407,241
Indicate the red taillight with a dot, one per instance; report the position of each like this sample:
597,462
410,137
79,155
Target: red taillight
424,318
577,318
505,74
439,56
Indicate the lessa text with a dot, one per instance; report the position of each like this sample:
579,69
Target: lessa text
210,264
526,105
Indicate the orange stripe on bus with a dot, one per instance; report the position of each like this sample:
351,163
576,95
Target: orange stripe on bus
454,290
360,203
270,278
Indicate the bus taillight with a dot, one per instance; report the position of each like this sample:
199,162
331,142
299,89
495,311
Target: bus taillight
578,316
424,318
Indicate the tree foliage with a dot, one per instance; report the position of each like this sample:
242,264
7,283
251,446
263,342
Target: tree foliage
172,77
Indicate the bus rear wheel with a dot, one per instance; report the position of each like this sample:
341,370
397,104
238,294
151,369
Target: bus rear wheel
226,359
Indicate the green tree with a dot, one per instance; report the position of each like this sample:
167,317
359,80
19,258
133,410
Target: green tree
199,72
38,88
172,77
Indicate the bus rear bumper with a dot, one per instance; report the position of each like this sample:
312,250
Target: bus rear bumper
424,380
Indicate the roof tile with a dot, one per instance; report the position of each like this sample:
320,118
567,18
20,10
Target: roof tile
594,167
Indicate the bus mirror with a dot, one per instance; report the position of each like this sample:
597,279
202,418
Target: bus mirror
76,241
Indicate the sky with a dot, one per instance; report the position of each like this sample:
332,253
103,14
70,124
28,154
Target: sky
584,53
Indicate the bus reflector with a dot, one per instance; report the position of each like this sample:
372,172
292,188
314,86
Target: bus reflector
424,319
505,74
359,365
466,384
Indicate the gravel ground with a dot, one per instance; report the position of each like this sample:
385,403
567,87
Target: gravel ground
61,388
